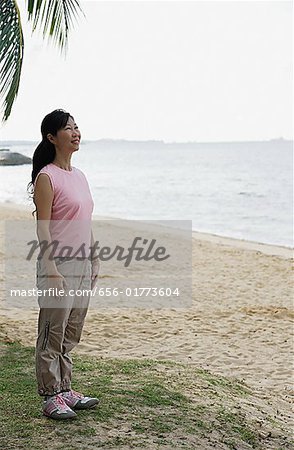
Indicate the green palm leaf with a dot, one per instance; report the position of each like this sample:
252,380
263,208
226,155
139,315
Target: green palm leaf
11,54
56,17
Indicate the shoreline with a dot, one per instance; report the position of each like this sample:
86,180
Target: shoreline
10,209
266,249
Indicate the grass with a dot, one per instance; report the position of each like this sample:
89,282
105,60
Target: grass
144,404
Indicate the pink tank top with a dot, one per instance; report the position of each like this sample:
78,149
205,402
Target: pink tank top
71,212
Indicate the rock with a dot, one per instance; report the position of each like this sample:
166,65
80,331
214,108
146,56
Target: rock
8,158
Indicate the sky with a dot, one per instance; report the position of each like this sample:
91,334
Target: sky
173,71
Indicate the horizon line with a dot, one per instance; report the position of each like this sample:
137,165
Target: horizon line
161,141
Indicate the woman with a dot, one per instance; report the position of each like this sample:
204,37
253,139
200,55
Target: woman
64,208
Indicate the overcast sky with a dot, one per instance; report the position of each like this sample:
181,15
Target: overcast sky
176,71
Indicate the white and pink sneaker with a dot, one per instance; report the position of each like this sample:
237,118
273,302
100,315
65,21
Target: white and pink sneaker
76,400
56,408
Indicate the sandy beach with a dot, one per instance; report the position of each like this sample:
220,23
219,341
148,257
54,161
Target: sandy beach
240,322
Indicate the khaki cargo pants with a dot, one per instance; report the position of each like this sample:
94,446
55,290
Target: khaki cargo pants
60,324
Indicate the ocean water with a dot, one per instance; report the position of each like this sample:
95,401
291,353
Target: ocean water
241,190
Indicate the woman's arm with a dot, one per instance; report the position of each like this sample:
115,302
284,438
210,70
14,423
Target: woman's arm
95,262
94,253
43,199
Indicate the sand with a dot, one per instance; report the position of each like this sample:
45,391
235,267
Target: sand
239,324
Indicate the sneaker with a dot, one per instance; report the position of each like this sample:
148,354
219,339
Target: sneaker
56,408
77,401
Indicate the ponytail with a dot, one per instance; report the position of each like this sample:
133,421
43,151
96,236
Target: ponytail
44,154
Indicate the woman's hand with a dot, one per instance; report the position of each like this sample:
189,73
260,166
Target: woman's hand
95,272
56,281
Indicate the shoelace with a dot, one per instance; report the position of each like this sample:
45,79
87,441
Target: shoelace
58,401
72,392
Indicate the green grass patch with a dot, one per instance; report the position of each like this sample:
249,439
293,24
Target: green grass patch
143,404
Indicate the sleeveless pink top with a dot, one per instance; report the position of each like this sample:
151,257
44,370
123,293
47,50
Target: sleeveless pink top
71,213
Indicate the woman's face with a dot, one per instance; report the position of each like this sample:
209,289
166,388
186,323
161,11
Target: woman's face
68,138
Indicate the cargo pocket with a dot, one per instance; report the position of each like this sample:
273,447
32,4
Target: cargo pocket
46,336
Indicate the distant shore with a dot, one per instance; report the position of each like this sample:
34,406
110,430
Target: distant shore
153,142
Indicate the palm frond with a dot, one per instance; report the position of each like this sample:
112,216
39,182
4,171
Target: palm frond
56,17
11,54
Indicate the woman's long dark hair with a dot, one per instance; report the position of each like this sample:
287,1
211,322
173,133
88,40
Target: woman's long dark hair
45,152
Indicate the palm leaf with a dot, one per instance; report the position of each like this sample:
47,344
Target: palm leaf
11,54
56,17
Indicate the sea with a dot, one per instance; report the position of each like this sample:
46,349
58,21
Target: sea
242,190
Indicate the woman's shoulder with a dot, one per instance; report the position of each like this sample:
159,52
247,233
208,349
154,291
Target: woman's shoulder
49,169
45,168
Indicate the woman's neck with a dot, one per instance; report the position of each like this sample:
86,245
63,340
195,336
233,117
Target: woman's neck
63,163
